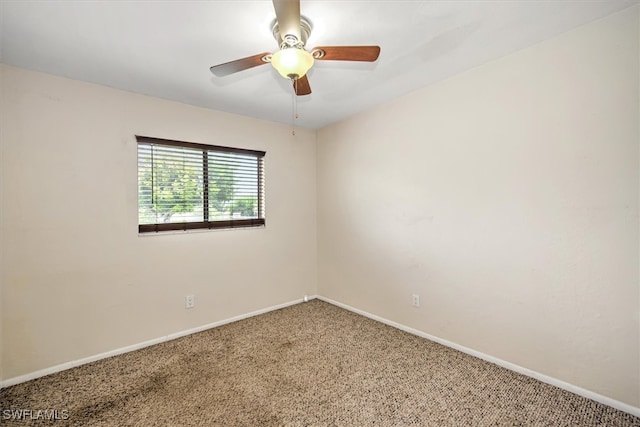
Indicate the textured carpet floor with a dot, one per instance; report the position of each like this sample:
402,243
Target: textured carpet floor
311,364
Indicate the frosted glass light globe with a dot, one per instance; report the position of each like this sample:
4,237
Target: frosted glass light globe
292,63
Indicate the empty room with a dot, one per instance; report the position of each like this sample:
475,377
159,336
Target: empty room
320,213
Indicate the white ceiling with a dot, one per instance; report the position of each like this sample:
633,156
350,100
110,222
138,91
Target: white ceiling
165,48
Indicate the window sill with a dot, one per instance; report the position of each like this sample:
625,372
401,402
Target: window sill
197,230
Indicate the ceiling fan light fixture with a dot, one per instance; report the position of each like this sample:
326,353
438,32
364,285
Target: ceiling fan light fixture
292,63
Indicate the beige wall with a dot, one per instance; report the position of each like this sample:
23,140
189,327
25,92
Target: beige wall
78,280
2,249
507,198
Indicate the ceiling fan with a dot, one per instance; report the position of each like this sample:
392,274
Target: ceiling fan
292,60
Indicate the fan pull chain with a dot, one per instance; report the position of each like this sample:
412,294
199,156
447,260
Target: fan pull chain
295,107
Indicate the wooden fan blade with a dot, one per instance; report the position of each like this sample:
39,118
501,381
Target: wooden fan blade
346,53
288,16
301,86
231,67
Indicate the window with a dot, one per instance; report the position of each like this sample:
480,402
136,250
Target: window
183,185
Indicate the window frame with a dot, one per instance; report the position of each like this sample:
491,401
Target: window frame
206,224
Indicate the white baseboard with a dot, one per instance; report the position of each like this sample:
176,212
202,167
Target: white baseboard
503,363
138,346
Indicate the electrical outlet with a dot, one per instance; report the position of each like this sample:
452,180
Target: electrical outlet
189,301
415,300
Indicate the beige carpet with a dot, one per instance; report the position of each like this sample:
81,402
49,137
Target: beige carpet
311,364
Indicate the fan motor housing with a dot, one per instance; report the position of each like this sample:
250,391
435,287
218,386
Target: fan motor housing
305,30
